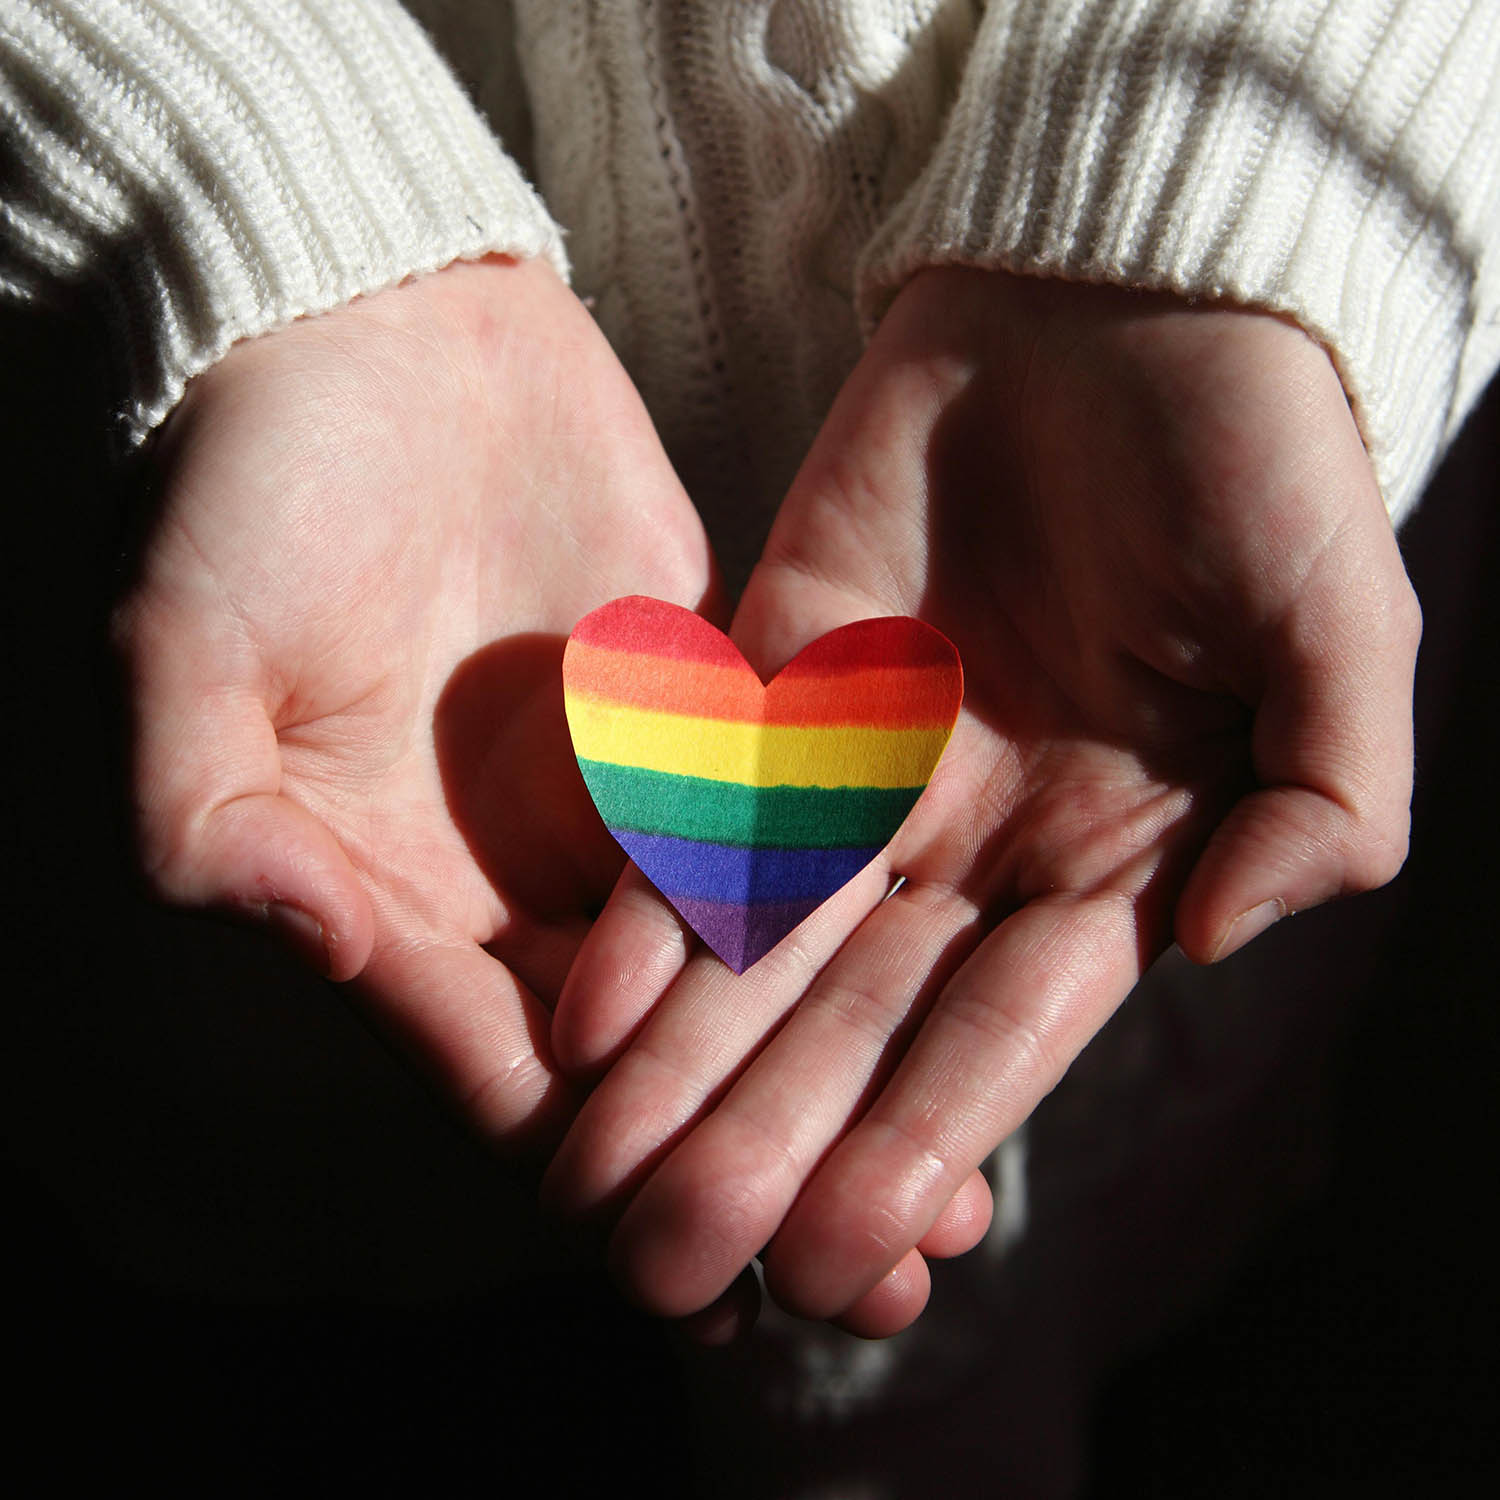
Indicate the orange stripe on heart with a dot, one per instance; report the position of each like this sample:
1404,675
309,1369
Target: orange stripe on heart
747,804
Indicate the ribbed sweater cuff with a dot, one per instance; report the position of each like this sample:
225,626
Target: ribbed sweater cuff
1335,162
205,170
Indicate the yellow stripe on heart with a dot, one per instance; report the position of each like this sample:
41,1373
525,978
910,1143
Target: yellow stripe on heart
759,755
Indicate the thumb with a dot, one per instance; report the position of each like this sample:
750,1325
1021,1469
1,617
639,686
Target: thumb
787,606
215,826
1332,752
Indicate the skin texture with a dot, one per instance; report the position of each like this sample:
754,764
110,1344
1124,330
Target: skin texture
374,530
1153,533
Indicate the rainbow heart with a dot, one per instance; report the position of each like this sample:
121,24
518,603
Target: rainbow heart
748,805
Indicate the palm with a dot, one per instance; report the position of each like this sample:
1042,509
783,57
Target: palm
1150,531
377,529
1040,794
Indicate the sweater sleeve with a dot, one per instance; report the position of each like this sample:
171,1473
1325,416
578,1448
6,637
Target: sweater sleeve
201,171
1336,161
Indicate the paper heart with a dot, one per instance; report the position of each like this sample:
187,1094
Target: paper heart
748,805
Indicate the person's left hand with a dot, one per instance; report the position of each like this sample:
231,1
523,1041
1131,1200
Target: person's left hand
1153,533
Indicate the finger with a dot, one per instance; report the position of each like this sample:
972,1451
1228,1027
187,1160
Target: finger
1332,749
541,952
723,1192
963,1223
785,607
474,1027
268,858
214,828
893,1304
631,956
728,1319
625,1131
999,1037
699,1038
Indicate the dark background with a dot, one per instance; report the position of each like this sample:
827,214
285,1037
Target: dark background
246,1250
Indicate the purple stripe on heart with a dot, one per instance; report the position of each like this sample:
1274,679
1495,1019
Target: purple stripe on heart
729,872
739,933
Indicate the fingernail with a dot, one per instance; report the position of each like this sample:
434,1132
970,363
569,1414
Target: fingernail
1249,924
302,931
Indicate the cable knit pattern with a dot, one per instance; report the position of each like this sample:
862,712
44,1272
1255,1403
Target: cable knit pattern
200,171
747,185
1334,160
719,168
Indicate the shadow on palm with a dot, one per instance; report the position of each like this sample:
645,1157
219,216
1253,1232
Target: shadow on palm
1076,769
516,796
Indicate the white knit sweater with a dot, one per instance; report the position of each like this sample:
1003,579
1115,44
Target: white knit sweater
745,183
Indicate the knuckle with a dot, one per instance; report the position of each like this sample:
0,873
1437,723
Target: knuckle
1380,852
1387,860
866,1014
163,850
701,1238
1409,612
744,1211
1404,620
744,1202
999,1032
860,1232
507,1098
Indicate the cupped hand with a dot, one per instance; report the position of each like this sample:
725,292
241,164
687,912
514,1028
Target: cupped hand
375,529
1153,533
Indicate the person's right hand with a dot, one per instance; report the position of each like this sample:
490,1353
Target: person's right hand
375,528
1153,532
